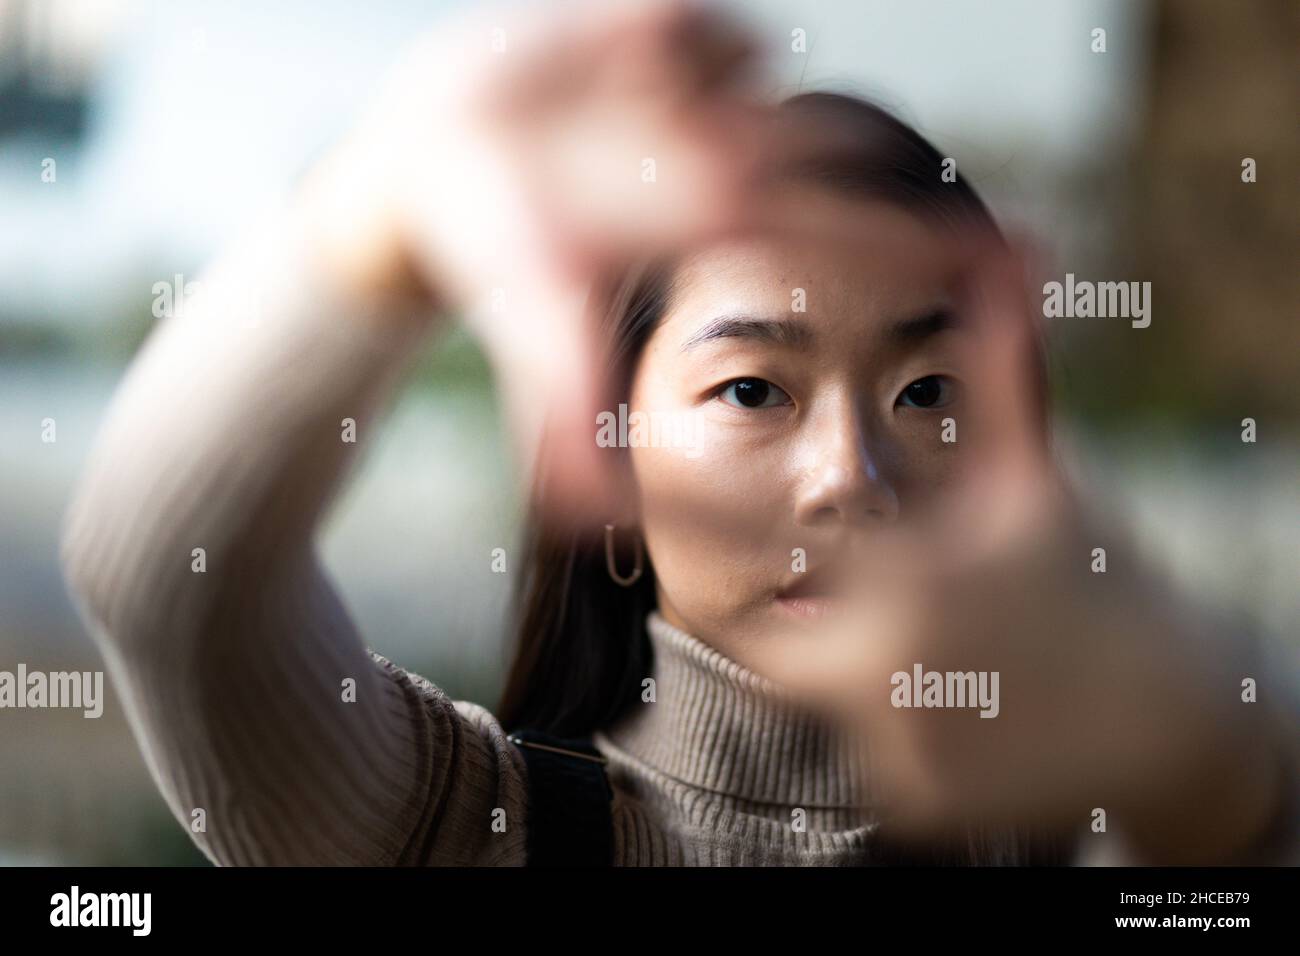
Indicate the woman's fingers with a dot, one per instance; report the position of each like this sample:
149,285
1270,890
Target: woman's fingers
647,48
681,49
1008,486
1007,399
552,385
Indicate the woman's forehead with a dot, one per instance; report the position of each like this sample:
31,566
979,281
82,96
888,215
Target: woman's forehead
823,232
900,264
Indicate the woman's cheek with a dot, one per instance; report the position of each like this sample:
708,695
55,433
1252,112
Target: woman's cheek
707,519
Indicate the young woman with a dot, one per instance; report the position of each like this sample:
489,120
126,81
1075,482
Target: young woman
799,286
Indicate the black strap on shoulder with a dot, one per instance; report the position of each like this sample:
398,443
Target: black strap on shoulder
569,821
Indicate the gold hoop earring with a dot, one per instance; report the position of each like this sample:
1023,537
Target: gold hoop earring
619,579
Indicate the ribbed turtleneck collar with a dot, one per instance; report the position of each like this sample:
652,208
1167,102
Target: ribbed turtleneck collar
718,726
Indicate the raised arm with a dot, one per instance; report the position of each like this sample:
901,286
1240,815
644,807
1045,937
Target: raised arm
188,547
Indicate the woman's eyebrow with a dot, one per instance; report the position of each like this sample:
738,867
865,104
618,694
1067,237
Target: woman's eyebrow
921,327
776,330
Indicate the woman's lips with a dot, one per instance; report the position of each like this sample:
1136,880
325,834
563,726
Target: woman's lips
812,607
814,594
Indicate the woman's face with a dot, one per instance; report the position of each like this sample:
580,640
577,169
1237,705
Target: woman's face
809,386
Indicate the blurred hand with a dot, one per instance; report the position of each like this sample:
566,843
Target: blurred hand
1107,696
517,156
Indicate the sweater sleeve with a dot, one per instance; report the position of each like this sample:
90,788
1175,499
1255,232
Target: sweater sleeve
274,733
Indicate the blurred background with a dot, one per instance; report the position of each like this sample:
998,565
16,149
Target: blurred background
137,137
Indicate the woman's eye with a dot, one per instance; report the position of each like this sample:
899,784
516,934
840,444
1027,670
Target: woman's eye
753,393
933,391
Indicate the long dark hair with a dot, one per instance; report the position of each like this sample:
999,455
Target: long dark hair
581,644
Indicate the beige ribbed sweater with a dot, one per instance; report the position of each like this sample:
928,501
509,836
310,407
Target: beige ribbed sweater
718,768
226,436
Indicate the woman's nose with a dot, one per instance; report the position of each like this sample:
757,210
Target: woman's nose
845,483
